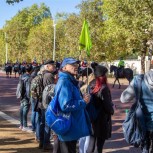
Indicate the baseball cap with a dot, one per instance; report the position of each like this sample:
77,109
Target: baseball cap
69,60
49,62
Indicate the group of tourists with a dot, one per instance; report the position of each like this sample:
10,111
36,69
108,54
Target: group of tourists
84,125
82,91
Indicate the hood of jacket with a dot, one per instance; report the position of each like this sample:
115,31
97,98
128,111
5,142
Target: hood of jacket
148,78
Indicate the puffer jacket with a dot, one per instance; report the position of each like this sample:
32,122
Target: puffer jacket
70,100
146,97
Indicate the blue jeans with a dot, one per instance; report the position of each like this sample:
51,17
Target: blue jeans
24,109
34,115
44,129
38,126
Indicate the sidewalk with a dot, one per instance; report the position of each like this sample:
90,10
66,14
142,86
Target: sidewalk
13,140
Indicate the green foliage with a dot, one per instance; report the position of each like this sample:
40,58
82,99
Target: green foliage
2,48
18,29
90,9
133,20
117,28
40,41
13,1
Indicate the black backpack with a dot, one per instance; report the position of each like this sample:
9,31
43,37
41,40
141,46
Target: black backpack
134,128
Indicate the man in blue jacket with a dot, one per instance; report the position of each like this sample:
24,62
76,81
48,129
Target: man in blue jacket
70,100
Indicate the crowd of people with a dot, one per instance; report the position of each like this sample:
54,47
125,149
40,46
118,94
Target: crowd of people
82,90
76,96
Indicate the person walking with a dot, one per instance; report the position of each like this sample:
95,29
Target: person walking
146,100
71,101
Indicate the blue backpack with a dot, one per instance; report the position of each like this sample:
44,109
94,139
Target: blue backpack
134,128
57,120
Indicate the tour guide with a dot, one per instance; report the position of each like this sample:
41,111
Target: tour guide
70,100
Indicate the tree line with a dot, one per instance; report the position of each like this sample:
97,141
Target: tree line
117,28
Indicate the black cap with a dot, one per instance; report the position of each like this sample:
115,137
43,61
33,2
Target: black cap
49,62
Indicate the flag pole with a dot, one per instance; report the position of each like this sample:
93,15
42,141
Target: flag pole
85,43
87,79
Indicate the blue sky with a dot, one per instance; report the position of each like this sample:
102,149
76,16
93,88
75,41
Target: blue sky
8,11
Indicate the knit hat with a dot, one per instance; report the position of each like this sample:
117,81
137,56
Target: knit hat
100,70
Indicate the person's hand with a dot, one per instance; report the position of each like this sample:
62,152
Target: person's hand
86,98
55,137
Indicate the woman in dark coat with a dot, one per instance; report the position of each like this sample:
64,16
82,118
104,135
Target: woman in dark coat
102,102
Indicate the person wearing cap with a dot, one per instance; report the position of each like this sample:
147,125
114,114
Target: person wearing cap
48,78
70,100
48,73
102,104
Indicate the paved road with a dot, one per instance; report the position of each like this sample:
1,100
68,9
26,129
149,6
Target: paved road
10,106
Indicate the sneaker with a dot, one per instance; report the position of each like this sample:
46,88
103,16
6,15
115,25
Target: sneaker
20,127
27,129
36,139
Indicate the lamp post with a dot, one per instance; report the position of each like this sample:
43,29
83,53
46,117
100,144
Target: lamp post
6,47
54,25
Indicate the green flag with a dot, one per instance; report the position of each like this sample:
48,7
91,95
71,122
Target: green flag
85,41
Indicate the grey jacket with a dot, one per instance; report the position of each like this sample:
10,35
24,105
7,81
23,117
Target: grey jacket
146,97
128,95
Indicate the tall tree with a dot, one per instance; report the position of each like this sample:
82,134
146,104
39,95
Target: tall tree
18,28
136,20
2,47
90,9
40,41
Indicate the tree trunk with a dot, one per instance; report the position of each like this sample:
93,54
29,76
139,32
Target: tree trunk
150,51
143,54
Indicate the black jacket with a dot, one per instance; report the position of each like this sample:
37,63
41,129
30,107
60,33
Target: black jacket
102,101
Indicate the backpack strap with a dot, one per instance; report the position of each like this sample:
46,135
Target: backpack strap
137,86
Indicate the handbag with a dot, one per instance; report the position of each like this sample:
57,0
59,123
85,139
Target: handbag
57,120
134,128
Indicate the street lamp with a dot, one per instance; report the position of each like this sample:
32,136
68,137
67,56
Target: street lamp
6,47
54,25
